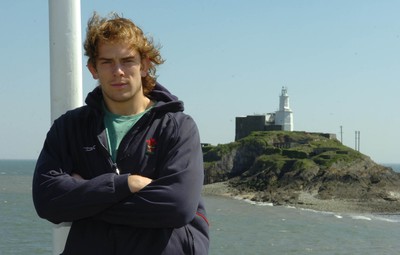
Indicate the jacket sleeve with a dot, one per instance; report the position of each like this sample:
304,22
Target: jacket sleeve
172,199
59,197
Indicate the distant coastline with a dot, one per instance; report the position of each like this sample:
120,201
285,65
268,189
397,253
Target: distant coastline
394,166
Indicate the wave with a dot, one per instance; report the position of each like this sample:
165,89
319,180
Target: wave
392,218
253,202
360,217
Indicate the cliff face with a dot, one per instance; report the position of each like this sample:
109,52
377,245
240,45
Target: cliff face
277,165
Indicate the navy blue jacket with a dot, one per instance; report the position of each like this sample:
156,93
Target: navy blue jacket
165,217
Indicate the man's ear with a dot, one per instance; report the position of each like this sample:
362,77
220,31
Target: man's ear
93,70
144,68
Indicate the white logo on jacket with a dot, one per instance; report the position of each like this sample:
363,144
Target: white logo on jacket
89,148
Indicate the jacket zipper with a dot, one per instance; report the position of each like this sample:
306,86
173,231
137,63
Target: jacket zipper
114,166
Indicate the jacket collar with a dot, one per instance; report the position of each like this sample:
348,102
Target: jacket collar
167,102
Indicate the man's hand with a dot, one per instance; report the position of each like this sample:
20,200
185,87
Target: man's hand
77,176
137,182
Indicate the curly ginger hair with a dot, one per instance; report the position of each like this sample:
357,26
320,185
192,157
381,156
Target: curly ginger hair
117,29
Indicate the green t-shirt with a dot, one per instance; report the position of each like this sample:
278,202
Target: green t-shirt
117,126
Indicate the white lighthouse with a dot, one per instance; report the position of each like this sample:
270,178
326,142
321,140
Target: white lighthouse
284,116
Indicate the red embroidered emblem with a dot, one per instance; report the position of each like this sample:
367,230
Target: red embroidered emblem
151,146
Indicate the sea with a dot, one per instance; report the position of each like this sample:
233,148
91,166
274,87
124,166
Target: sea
237,227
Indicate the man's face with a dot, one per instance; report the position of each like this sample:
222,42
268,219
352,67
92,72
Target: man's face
119,70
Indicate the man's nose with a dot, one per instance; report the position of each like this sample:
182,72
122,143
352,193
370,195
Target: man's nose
118,70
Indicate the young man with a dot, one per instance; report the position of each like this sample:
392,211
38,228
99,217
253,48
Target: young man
126,169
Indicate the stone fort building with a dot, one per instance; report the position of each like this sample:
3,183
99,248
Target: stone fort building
279,120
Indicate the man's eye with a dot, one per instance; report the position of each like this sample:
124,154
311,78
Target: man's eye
103,62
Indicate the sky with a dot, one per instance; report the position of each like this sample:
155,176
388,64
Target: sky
340,62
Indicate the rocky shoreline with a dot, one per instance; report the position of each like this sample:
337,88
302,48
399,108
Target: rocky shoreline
300,169
311,201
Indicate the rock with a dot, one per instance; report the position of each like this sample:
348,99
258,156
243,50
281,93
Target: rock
313,164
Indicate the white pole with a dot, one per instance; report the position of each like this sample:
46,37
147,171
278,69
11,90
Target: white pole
65,56
65,74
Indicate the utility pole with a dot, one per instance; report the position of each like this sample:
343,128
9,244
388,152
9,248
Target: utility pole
357,140
341,134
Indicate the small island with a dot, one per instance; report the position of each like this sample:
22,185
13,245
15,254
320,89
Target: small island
301,169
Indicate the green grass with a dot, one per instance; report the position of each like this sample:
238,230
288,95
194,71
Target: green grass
276,146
